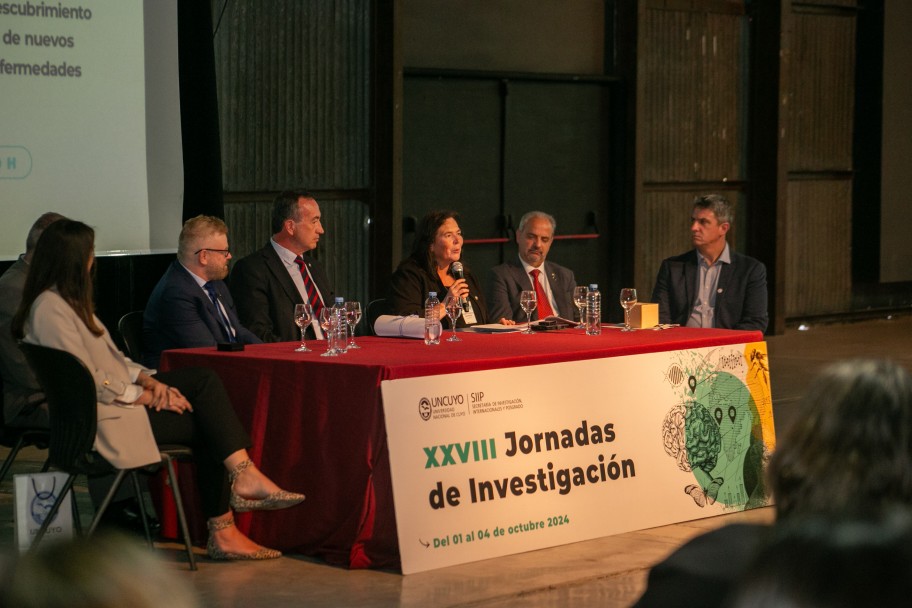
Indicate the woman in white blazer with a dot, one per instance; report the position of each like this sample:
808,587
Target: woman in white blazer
137,408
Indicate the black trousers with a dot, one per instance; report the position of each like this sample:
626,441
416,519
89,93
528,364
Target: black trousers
212,429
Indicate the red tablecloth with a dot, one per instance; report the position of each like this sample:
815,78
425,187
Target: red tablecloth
317,422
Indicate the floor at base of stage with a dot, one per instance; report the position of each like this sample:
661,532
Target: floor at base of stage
604,572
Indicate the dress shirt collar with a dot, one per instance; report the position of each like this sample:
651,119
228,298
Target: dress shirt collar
529,268
724,258
286,255
199,281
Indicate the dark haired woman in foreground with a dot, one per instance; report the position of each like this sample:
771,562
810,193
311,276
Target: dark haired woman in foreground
137,411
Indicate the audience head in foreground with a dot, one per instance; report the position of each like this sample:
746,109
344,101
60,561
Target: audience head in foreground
846,457
832,563
97,572
850,450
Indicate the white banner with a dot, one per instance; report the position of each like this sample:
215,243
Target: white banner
502,461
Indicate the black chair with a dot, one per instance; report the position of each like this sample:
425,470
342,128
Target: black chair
375,308
130,328
17,438
70,391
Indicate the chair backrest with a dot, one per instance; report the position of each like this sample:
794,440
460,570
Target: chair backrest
375,308
130,327
69,388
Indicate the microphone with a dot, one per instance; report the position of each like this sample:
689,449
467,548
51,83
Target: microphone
457,272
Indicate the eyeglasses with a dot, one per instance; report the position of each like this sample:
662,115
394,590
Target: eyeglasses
224,252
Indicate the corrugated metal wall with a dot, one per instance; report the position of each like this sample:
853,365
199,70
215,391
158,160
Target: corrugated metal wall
818,277
294,107
693,113
694,73
693,70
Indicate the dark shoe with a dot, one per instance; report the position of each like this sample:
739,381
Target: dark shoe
124,515
281,499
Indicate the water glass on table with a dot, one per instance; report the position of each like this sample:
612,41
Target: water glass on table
528,302
628,301
303,315
579,300
328,321
353,317
453,310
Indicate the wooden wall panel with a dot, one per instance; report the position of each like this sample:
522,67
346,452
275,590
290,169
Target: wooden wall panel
662,222
825,4
293,89
694,74
818,237
818,264
822,92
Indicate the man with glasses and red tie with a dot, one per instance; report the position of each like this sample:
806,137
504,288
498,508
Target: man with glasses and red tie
191,306
269,282
553,283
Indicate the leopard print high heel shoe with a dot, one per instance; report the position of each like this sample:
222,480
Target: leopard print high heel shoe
280,499
214,552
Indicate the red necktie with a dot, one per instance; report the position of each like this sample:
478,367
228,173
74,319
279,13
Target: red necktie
544,306
313,297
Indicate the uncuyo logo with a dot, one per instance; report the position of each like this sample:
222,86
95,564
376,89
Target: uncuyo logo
42,502
424,408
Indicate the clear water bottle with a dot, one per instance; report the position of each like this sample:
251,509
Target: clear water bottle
432,326
340,326
593,311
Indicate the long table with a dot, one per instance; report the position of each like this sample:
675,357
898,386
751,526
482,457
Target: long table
317,423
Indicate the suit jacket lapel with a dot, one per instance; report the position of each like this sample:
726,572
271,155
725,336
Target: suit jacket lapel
277,268
522,279
725,275
691,276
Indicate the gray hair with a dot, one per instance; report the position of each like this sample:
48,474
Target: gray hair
536,215
718,204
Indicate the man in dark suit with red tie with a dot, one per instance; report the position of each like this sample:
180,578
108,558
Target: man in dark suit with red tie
553,283
191,306
269,282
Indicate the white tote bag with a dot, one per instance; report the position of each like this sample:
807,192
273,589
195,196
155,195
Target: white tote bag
35,494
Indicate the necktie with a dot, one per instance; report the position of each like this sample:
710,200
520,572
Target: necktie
313,297
544,306
223,320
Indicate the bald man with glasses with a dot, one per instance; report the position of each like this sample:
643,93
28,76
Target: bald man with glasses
191,305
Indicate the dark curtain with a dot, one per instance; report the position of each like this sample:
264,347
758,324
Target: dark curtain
199,110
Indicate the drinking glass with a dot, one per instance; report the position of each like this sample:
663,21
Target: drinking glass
353,317
579,299
453,310
303,315
628,301
528,302
327,320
